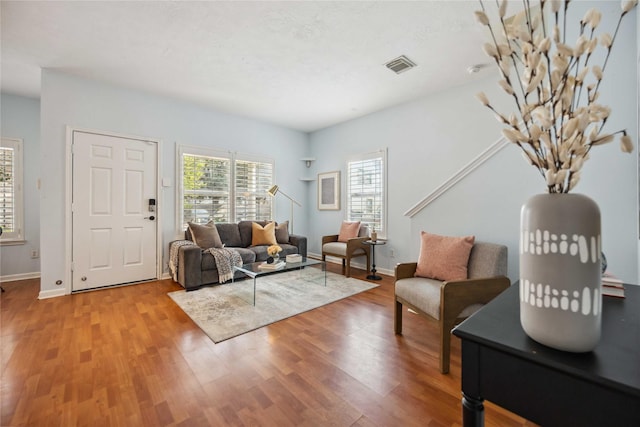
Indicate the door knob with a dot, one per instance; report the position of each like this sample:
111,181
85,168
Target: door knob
150,217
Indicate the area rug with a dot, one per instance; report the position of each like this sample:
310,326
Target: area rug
225,311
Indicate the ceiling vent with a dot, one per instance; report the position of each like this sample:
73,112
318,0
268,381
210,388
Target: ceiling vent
400,64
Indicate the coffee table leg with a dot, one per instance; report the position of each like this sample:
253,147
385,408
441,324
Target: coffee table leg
254,291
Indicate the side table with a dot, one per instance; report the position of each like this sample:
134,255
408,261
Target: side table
373,244
500,363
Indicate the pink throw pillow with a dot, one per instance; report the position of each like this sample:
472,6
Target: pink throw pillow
444,258
348,230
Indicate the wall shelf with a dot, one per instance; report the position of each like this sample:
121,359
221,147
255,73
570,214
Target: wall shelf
308,160
307,179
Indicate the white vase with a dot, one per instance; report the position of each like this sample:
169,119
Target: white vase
560,271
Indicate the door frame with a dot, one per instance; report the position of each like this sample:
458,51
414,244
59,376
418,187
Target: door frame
69,197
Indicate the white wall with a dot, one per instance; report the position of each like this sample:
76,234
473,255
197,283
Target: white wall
431,139
427,140
21,119
67,100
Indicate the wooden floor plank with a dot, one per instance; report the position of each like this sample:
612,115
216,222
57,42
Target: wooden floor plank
129,356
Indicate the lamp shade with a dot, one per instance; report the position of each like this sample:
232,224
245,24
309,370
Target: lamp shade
273,190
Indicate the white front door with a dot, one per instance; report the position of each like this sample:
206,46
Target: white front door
114,227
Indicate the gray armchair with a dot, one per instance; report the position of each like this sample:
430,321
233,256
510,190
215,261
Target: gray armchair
450,302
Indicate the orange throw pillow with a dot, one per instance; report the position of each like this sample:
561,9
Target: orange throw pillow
263,235
348,230
444,258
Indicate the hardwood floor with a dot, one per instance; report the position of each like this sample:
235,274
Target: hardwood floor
130,357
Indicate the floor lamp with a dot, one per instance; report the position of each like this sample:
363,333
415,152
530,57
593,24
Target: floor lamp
275,189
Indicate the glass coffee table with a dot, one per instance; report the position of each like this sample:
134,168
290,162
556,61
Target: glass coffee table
254,271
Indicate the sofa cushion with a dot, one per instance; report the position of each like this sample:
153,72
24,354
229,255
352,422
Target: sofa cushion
248,256
263,235
282,232
229,234
288,249
245,227
209,262
444,257
205,236
348,230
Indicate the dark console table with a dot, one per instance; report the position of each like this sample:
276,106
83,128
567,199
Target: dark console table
500,363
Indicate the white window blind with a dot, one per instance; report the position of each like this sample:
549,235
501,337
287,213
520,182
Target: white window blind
366,191
222,187
253,179
11,197
206,189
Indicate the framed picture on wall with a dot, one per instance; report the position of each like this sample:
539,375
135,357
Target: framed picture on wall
329,191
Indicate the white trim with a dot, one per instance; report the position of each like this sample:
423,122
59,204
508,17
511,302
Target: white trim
9,242
52,293
69,197
158,212
21,276
458,176
361,266
68,223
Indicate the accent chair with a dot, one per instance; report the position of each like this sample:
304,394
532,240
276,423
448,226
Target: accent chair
450,302
351,248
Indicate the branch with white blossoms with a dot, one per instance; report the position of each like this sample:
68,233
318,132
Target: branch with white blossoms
553,85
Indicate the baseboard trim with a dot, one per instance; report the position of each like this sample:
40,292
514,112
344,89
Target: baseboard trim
21,276
52,293
361,266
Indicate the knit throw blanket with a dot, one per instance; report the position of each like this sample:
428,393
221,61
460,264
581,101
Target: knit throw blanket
226,259
173,256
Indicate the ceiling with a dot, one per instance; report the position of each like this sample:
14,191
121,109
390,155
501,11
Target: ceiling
305,65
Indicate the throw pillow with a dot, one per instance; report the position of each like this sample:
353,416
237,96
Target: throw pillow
263,235
282,232
443,257
348,230
205,236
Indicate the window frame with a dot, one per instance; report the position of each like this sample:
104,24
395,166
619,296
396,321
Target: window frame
382,227
17,236
233,157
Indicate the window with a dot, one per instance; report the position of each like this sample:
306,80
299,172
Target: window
206,185
366,191
11,209
222,187
253,179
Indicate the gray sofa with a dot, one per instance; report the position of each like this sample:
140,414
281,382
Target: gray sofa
196,268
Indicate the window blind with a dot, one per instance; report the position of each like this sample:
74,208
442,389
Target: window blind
206,189
11,197
220,186
252,180
366,201
7,190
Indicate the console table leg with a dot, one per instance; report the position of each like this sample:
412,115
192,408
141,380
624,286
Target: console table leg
472,412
